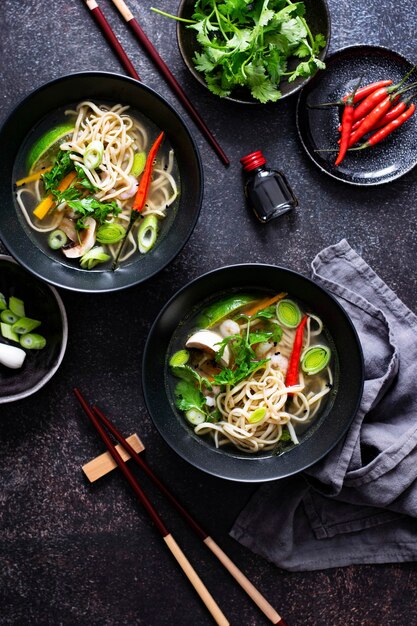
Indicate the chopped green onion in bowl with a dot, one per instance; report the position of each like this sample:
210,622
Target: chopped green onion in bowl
288,313
315,359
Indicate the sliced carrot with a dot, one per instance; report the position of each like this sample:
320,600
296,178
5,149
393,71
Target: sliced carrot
32,177
45,204
263,304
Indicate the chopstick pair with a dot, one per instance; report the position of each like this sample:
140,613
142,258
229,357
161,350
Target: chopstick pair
157,60
98,419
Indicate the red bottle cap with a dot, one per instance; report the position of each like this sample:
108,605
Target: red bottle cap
252,161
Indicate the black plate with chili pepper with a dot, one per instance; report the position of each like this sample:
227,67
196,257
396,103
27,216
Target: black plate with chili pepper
381,158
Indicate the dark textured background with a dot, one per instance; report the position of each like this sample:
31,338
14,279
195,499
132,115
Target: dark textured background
75,554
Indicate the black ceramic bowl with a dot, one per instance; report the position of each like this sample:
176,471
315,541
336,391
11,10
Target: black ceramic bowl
42,302
318,18
111,88
228,462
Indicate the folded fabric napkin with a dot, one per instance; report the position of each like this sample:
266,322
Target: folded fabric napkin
359,504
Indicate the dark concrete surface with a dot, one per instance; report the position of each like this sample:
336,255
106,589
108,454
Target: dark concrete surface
75,554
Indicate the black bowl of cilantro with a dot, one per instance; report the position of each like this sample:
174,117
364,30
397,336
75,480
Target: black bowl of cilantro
187,312
253,52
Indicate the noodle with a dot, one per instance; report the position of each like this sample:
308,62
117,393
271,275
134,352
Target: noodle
122,136
279,408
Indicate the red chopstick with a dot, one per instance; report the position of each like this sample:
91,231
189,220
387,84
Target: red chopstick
182,561
111,38
245,583
169,77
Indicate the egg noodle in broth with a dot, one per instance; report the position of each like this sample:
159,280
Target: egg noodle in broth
252,370
77,180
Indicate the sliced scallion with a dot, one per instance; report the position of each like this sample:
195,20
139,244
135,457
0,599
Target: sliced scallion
179,358
17,306
147,233
110,233
139,162
56,239
93,155
3,302
94,256
195,417
25,325
288,313
32,341
8,317
8,333
257,415
315,359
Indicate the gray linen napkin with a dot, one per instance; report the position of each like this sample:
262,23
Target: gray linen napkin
359,504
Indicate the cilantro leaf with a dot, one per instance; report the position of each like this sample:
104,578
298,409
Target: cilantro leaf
93,208
187,396
63,165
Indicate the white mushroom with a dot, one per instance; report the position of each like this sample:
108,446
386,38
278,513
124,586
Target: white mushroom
88,237
11,357
68,226
209,341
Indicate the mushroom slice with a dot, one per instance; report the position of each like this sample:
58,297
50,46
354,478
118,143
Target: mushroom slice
209,341
88,237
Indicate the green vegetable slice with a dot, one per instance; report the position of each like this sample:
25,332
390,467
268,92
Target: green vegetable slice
25,325
92,258
3,302
315,359
179,358
195,417
257,415
32,341
110,233
139,162
147,234
223,308
42,148
8,317
288,313
57,239
17,306
8,333
93,155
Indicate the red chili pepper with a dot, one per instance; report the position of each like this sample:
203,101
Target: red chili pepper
375,116
145,180
377,96
393,113
364,91
382,133
347,120
292,372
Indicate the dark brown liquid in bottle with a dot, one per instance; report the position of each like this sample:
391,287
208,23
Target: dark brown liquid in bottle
267,191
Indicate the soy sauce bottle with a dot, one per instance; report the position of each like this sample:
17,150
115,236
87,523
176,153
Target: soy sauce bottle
267,191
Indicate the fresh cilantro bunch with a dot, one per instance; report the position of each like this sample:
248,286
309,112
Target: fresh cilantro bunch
249,43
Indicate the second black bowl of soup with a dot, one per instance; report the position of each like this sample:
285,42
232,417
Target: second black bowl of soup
252,372
79,149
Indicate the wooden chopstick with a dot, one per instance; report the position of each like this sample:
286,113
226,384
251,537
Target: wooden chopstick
244,582
111,38
169,77
180,557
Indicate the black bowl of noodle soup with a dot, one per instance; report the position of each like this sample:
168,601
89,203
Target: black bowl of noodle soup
252,372
86,153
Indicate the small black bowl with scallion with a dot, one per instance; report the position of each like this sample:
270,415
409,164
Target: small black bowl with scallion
33,332
253,53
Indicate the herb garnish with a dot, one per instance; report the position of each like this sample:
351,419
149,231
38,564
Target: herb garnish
91,207
63,166
249,42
